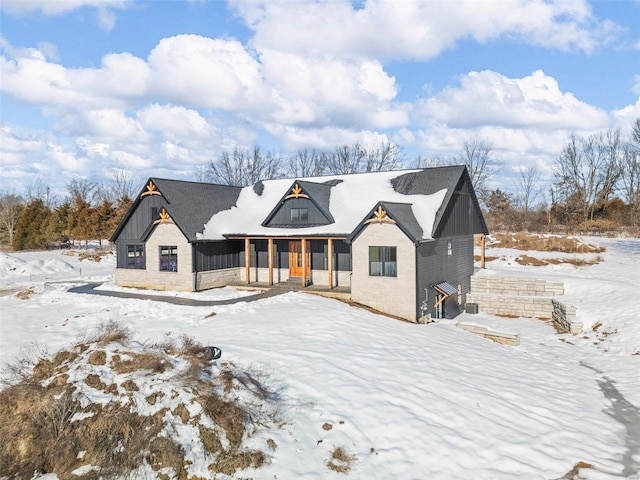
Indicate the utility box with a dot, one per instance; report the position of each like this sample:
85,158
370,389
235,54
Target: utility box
472,308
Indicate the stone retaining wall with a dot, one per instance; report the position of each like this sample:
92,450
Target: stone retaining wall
565,317
523,297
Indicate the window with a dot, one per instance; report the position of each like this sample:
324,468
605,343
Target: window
449,248
299,214
168,259
382,262
135,256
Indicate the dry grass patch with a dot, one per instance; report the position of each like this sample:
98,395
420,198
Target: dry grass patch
25,294
575,471
47,425
542,243
341,461
527,260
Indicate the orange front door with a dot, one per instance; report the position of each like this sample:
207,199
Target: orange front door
295,259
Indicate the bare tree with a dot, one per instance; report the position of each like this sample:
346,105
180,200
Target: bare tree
306,163
41,191
527,188
588,170
631,173
82,189
244,167
424,162
120,184
384,157
11,206
346,159
476,155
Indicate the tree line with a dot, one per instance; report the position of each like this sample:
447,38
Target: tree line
595,186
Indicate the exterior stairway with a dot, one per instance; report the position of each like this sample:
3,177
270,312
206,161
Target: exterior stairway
292,284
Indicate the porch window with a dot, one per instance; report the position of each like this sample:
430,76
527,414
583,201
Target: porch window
135,256
169,259
382,262
299,214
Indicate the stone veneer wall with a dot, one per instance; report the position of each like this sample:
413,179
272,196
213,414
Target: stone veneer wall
217,278
523,297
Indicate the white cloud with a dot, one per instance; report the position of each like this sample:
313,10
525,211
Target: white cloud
326,90
198,71
30,77
636,85
56,7
106,19
419,29
489,98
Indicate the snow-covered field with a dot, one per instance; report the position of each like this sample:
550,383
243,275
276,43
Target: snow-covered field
409,401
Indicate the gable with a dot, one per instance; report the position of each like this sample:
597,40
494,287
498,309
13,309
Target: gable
461,215
305,204
191,205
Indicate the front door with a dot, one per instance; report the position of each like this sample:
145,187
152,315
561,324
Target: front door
295,259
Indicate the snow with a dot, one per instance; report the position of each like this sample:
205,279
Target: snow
350,201
409,401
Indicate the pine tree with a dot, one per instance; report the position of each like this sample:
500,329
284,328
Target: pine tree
30,232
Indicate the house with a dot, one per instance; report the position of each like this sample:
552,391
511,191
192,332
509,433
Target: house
400,242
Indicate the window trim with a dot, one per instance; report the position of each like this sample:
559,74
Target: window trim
386,257
136,262
301,214
172,254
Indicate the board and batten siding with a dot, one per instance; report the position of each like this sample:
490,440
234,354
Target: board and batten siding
282,217
165,234
435,265
135,227
392,295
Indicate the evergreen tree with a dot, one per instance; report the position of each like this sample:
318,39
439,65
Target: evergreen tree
30,232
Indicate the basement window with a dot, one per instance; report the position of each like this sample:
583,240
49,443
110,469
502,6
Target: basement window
382,262
169,259
135,256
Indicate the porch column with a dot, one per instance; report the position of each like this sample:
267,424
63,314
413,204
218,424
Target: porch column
482,249
304,262
270,253
330,261
247,259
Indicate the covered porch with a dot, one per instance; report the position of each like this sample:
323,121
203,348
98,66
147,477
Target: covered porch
302,262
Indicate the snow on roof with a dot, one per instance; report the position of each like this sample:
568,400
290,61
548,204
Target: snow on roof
351,200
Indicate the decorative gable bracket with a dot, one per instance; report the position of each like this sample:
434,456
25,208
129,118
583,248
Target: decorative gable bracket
151,190
164,217
380,216
296,193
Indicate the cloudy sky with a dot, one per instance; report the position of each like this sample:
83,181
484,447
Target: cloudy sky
162,87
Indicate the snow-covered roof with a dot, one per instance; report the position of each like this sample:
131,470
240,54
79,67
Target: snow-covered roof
351,198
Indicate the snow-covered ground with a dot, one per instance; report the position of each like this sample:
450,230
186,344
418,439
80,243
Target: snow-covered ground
409,401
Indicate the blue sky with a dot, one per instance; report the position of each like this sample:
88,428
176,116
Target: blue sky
159,88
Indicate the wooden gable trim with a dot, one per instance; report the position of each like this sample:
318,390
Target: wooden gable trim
164,217
151,189
296,193
380,216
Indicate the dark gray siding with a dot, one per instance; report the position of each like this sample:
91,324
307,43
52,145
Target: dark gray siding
462,215
260,256
135,227
217,255
282,217
435,265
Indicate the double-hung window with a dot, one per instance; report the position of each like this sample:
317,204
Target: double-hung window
382,262
135,256
169,259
